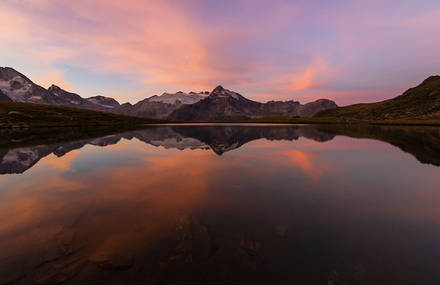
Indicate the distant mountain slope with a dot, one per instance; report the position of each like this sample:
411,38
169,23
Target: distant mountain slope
97,103
104,102
147,109
160,107
19,88
422,101
226,105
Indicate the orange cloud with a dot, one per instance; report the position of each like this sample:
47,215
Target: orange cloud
55,77
157,43
304,161
249,46
310,77
123,38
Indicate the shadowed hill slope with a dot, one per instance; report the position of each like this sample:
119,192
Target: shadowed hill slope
14,114
421,102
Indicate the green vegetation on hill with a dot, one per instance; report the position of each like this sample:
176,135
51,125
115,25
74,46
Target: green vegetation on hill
415,105
13,115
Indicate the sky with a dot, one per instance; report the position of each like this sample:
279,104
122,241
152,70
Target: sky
348,51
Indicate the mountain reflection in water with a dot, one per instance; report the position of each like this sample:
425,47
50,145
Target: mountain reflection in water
422,142
241,205
219,139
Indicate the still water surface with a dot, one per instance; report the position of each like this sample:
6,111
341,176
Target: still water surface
224,205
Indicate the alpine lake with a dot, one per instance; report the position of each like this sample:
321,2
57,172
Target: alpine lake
223,204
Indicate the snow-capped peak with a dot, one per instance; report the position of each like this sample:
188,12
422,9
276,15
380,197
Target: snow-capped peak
179,97
219,91
17,88
103,101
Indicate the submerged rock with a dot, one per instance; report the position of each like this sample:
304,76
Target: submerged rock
10,271
250,246
282,231
111,257
112,261
60,271
193,241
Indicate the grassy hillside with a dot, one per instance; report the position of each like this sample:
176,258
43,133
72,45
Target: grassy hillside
13,114
418,103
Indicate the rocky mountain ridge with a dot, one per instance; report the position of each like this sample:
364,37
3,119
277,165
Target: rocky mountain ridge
219,105
224,105
179,97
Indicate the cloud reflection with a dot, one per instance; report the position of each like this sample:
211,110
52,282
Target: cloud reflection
162,211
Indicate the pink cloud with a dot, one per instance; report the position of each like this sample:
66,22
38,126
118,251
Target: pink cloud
310,77
153,40
275,50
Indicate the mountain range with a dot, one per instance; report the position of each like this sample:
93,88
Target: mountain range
219,105
223,105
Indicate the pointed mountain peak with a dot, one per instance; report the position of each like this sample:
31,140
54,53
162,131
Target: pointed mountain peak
98,97
8,73
9,70
54,87
432,78
58,91
219,91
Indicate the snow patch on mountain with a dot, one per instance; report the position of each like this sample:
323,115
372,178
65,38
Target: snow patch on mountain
103,101
179,97
180,143
34,98
219,91
97,102
16,88
22,156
